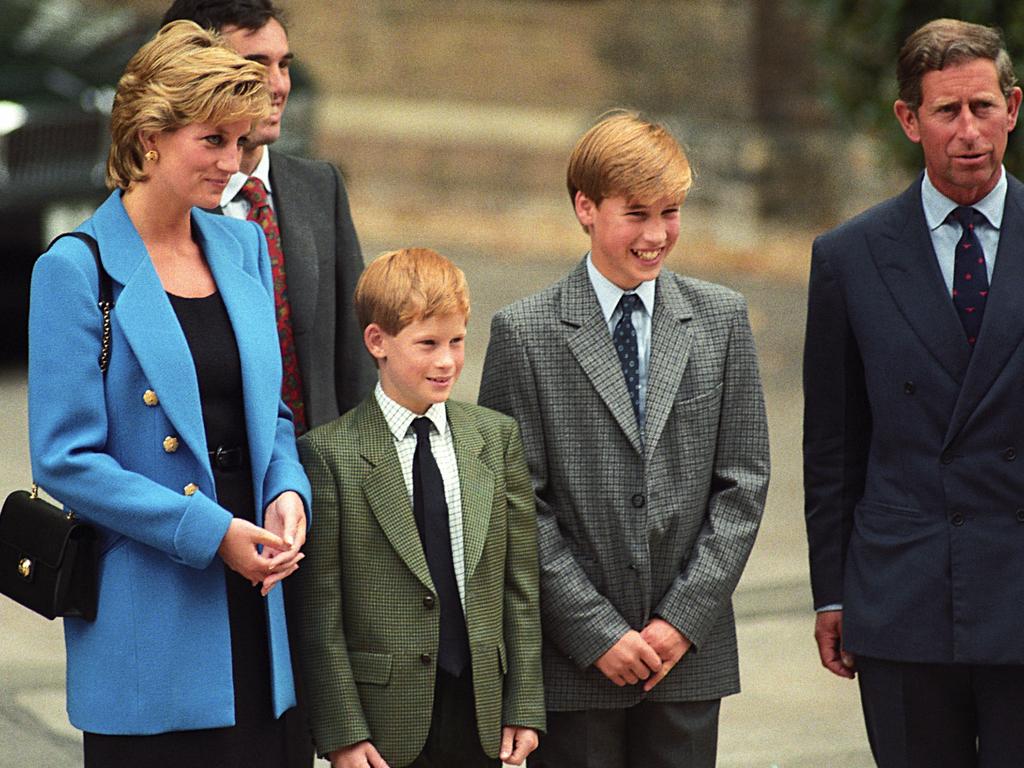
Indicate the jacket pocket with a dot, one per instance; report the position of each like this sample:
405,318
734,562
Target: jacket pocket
876,507
373,668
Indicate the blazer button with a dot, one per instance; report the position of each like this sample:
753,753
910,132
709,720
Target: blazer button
1010,453
149,398
190,489
638,500
957,519
425,658
946,458
909,388
428,601
1020,515
170,444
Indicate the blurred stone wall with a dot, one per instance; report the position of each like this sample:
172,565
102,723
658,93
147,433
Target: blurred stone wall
434,106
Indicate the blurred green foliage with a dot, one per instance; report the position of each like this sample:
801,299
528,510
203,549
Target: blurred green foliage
861,41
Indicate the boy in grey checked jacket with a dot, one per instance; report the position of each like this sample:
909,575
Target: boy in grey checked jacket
639,400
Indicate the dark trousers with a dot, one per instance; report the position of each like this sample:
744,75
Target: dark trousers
647,735
943,715
454,739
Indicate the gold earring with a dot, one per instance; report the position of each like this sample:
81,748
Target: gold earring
152,155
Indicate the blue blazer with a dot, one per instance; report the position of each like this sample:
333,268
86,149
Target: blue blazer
158,656
914,488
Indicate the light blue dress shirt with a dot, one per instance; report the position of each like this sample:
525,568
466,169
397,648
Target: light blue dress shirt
945,234
608,296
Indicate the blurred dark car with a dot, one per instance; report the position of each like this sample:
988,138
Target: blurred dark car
61,62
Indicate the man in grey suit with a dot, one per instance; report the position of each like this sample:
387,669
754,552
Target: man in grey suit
327,370
639,401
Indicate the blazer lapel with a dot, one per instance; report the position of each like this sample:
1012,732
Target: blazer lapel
592,347
1003,325
292,202
903,254
385,491
145,316
476,484
671,338
251,311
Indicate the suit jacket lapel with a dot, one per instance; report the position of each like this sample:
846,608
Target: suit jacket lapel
476,484
145,316
292,202
903,254
385,490
592,347
671,338
1003,325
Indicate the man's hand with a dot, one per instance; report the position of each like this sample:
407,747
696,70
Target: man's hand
362,754
629,661
285,516
828,631
517,743
669,643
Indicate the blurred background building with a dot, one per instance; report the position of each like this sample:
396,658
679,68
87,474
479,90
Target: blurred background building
452,119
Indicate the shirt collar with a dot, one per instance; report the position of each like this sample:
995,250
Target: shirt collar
261,172
399,418
937,206
609,294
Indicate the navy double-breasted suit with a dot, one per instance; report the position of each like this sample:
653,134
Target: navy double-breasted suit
914,486
158,656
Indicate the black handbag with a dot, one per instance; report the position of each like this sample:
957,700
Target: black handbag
48,558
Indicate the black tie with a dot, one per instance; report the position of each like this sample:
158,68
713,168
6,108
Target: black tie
970,278
626,347
431,512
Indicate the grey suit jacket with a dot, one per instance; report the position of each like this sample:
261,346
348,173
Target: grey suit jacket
323,263
630,529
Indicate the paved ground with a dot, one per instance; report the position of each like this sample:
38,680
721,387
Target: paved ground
791,714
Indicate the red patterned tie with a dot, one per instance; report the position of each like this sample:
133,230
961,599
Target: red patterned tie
261,212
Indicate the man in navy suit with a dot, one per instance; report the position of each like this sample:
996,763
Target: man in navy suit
914,397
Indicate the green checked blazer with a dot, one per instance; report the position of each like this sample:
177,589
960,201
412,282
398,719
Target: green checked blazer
363,606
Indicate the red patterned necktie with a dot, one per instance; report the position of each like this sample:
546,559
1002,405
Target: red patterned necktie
261,212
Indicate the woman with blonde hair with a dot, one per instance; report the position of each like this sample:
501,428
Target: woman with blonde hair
181,453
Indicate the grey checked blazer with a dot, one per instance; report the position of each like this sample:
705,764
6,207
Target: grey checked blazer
323,262
633,529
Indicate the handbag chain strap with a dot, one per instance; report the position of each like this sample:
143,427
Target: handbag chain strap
105,303
105,306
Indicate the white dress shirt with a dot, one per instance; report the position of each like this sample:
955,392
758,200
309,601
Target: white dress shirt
399,420
231,201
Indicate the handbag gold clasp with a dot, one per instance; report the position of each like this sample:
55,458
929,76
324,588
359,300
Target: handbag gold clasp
35,492
24,567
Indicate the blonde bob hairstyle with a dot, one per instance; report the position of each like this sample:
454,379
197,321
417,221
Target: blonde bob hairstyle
623,154
183,75
400,287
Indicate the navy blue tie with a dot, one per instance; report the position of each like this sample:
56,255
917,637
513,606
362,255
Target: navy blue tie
626,347
431,512
970,277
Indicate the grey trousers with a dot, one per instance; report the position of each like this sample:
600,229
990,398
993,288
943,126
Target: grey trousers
646,735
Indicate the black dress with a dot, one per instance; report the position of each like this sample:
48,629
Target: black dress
257,739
